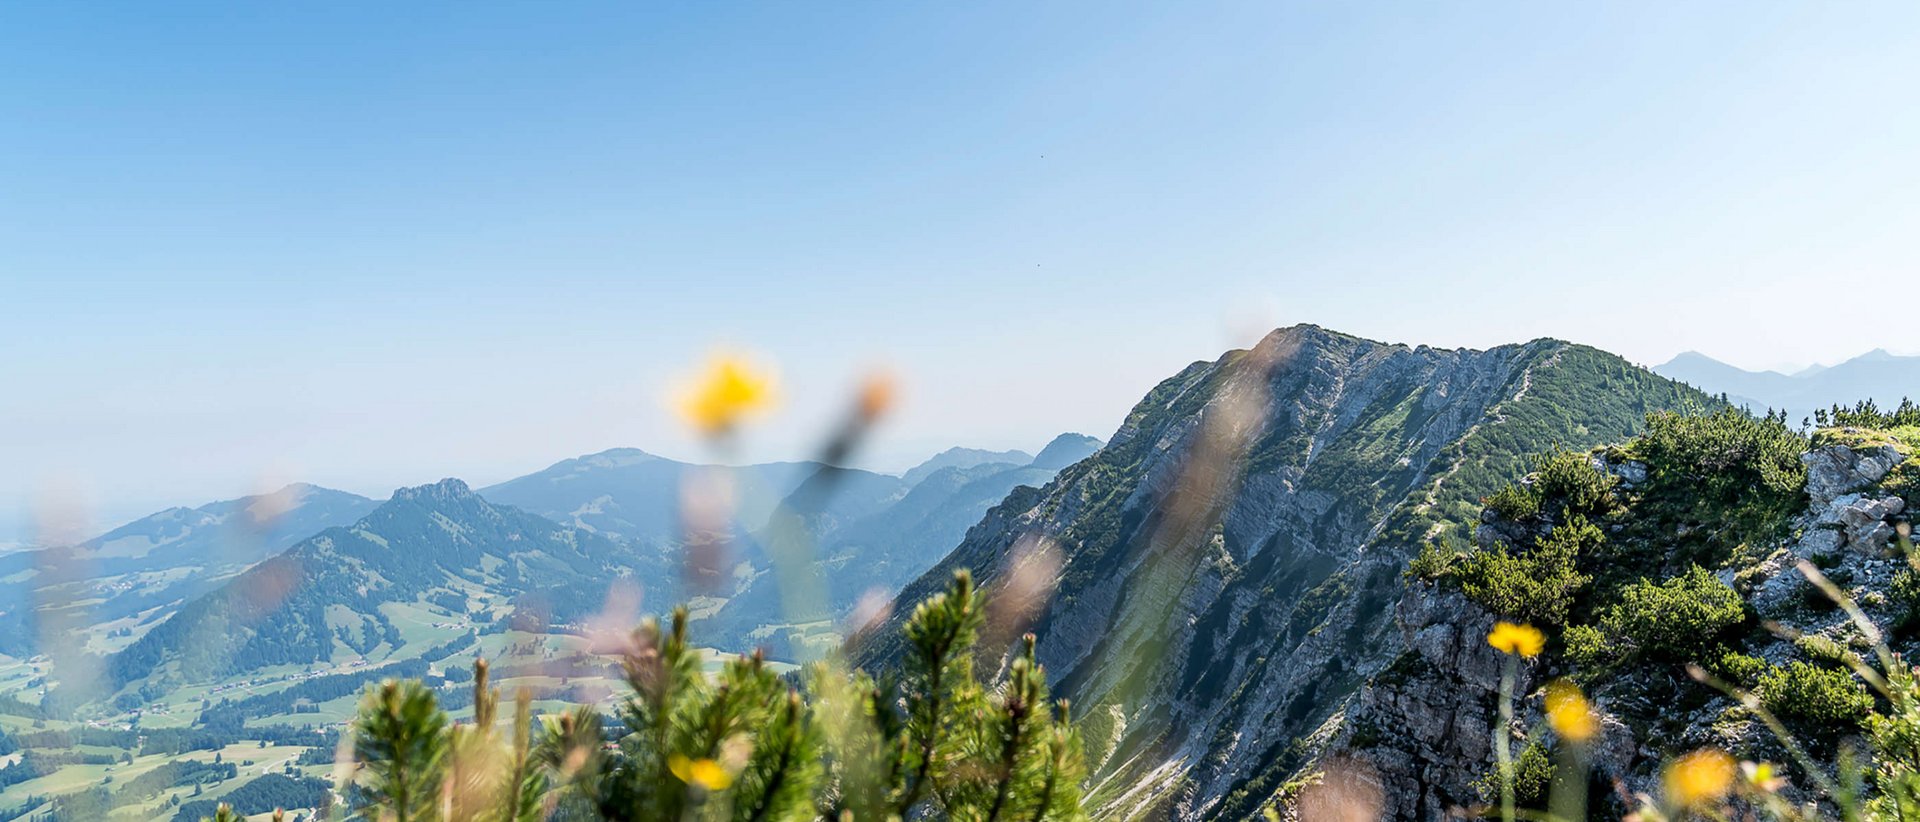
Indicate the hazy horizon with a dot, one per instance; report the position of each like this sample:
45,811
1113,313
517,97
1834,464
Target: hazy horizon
367,247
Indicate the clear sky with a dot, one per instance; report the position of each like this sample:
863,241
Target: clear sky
374,244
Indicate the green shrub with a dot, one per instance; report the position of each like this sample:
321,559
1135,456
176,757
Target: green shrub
1538,586
1826,696
1903,591
1744,670
1532,779
1724,455
1715,483
1678,620
1822,649
1574,482
1515,502
1903,597
1586,645
1433,562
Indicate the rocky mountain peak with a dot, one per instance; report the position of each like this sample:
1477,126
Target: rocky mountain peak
449,489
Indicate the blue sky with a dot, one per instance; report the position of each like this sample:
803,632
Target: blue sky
373,244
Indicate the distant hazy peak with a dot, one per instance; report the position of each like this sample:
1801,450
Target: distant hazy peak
1879,375
610,458
1691,358
1066,450
964,458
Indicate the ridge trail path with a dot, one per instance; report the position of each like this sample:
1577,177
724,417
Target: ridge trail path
1526,384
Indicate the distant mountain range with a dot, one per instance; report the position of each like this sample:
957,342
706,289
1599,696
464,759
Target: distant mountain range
159,560
1877,375
309,575
873,555
324,597
860,532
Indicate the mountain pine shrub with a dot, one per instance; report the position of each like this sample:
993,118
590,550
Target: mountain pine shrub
1679,620
1715,483
1744,670
1829,698
1531,773
1537,586
744,744
1572,482
1867,414
1515,502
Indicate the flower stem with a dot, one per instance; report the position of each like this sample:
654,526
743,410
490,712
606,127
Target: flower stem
1503,735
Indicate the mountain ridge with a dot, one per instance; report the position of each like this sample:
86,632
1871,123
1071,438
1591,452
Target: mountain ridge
1225,562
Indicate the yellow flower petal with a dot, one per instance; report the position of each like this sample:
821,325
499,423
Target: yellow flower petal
1760,775
1699,778
1512,638
703,772
1569,712
710,775
725,394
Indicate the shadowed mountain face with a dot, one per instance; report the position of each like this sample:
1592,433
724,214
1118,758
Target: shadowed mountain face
1212,583
1877,375
323,597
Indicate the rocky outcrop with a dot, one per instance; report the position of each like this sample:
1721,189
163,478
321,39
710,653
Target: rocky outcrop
1423,726
1420,729
1837,469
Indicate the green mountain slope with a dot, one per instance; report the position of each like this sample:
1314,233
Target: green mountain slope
323,597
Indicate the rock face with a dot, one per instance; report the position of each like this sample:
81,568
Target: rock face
1437,705
1222,575
1836,469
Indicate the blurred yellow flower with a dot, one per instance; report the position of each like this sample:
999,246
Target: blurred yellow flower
1569,712
1511,638
726,393
703,772
1761,776
1699,778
